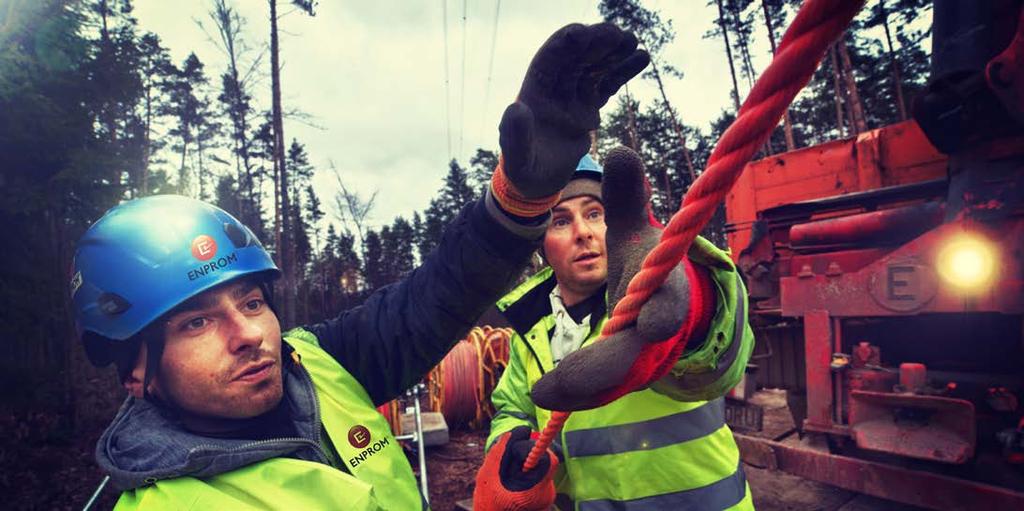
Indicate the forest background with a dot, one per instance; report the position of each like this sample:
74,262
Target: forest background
94,110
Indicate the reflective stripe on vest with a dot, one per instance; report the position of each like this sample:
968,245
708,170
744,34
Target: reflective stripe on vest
650,434
648,450
721,494
689,444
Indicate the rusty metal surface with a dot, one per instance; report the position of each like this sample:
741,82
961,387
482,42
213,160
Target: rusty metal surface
884,227
905,281
890,156
818,352
915,487
779,351
931,428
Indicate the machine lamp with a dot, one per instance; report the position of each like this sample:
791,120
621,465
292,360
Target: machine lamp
967,261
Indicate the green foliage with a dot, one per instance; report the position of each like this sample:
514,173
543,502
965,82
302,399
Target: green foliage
374,265
455,193
93,112
481,166
660,150
67,143
653,32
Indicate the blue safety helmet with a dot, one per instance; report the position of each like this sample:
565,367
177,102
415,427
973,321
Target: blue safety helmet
587,167
146,256
585,181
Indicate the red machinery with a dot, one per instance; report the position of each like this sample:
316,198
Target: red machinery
886,278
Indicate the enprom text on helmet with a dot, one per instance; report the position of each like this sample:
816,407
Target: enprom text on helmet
212,266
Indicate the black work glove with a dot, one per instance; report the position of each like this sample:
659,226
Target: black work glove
545,132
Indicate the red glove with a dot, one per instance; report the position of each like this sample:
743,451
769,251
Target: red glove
501,484
680,310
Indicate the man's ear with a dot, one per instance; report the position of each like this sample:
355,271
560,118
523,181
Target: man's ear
133,383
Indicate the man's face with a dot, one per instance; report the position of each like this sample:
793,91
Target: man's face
574,247
222,354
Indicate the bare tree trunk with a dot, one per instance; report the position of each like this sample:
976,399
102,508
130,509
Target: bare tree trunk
285,248
147,150
786,124
107,115
181,172
745,61
856,107
837,91
676,127
728,55
748,66
896,80
199,158
229,33
633,142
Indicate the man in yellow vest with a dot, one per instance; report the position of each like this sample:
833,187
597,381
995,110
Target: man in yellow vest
226,411
663,447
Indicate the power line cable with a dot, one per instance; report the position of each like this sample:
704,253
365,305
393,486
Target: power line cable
447,100
490,70
462,87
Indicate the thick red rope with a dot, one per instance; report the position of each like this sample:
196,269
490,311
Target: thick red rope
817,24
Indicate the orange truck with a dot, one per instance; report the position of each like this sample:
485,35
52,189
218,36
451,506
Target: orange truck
886,281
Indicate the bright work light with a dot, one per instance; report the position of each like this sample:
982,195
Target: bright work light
967,262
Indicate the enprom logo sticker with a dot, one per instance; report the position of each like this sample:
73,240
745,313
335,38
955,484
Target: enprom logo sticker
359,436
204,247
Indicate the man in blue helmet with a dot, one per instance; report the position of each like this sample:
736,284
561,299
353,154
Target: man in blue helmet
665,446
225,411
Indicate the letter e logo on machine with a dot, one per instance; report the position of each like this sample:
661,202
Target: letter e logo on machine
204,247
359,436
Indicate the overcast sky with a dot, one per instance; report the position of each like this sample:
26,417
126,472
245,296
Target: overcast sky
372,76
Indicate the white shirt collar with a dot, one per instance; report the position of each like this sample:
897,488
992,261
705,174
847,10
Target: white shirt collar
568,335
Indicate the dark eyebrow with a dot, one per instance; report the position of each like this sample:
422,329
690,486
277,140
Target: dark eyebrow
205,300
586,202
244,289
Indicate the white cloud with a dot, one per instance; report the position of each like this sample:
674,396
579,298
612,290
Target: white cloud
372,75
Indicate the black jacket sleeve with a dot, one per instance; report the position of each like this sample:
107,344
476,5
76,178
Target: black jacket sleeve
403,330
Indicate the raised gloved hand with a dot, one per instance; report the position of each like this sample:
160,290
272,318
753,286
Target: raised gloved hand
543,134
636,356
501,484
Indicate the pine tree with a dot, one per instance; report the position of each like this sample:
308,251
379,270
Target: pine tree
419,229
72,139
185,106
156,70
481,167
655,34
398,246
235,98
775,17
888,75
282,224
661,151
375,270
723,30
455,193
